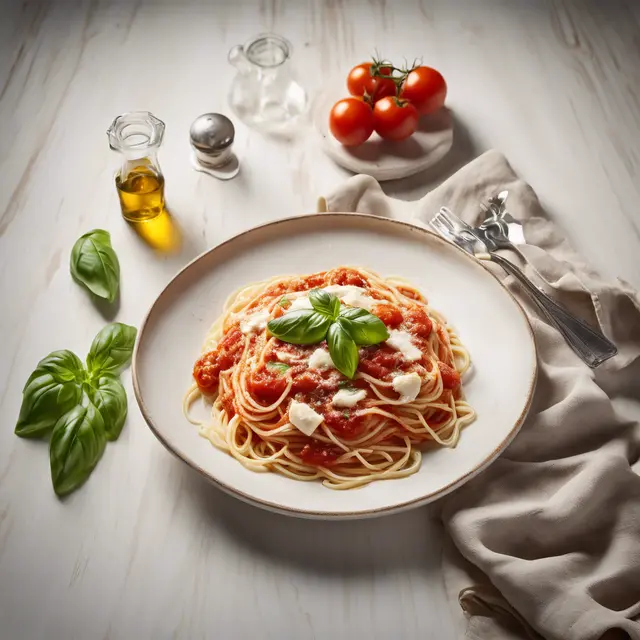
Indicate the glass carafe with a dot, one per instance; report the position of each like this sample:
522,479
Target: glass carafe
137,135
264,94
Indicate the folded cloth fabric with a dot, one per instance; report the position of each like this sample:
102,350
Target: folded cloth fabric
547,539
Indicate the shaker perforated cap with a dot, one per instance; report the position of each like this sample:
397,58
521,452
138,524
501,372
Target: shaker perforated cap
212,133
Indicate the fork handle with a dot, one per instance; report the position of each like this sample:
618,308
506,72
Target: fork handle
592,347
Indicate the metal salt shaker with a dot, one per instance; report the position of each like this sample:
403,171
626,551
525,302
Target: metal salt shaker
212,136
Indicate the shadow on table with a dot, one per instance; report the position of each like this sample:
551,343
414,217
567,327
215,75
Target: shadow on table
165,238
162,233
463,150
402,541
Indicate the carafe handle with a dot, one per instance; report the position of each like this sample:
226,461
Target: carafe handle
237,58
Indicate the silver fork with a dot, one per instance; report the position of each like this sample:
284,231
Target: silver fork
500,230
592,347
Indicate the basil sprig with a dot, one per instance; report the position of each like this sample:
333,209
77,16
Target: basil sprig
345,329
95,265
80,407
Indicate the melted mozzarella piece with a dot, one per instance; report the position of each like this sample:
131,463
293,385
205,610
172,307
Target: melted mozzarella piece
300,303
348,397
303,417
255,322
320,359
408,386
401,341
351,295
285,356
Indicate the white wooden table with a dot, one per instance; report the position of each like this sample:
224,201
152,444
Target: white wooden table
146,549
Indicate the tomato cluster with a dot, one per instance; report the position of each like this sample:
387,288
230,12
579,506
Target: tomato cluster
387,100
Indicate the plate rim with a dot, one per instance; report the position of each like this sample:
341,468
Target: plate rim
332,515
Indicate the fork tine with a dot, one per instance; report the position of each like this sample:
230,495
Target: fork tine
457,224
441,229
444,220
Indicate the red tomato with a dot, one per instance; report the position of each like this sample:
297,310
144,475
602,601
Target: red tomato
425,88
351,121
394,119
360,82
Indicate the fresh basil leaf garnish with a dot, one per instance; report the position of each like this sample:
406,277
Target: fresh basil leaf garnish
51,390
300,327
363,327
77,443
95,264
110,399
111,349
345,328
324,302
280,367
343,350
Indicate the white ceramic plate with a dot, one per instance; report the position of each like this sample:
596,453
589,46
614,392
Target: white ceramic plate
385,159
489,321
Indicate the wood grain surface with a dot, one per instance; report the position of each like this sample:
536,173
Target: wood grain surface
146,549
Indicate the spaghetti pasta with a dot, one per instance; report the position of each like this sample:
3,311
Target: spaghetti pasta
284,407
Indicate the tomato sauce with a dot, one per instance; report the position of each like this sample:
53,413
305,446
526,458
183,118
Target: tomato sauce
345,424
295,284
347,276
379,362
228,405
389,314
450,377
227,353
418,322
266,386
318,454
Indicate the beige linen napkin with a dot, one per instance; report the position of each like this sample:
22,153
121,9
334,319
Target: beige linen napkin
547,539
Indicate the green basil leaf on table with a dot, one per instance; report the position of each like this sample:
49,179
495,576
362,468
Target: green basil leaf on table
77,443
300,327
95,264
280,367
63,365
110,399
324,302
343,350
111,349
363,327
51,390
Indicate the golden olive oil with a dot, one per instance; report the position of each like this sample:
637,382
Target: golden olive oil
141,194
